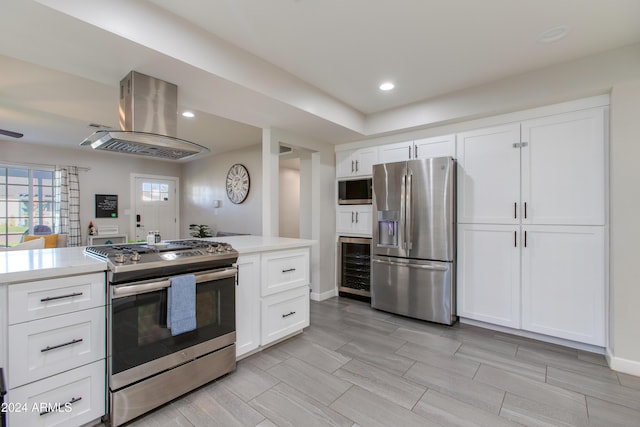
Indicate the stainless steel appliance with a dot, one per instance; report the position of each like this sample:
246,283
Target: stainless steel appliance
413,263
354,191
147,366
354,269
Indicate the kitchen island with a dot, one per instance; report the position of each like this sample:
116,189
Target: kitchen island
61,293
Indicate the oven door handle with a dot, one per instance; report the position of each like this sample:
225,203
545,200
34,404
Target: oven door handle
128,290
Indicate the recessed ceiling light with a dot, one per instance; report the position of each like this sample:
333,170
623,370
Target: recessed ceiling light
188,114
387,86
553,34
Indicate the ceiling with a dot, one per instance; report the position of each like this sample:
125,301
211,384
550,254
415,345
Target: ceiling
309,66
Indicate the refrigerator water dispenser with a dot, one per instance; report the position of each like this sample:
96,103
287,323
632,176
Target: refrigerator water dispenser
388,228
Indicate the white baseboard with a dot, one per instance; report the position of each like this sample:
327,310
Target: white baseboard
315,296
631,367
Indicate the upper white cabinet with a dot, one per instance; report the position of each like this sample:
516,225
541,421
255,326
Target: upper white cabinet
545,171
355,162
489,175
440,146
398,152
563,167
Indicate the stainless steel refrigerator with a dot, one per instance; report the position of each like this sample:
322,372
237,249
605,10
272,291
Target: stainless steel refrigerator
414,244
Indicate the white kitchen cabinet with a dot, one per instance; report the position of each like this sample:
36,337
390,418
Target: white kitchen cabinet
437,146
355,162
563,277
57,330
46,347
397,152
488,273
45,298
489,175
425,148
284,313
354,220
542,180
284,270
271,284
248,304
563,169
73,398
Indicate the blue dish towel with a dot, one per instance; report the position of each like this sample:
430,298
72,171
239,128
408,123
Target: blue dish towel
181,304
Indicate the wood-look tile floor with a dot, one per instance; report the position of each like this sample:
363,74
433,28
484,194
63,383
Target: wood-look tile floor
355,366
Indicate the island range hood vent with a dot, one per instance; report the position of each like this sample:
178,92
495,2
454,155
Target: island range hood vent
148,119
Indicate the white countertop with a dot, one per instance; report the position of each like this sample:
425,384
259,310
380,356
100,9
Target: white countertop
38,264
249,243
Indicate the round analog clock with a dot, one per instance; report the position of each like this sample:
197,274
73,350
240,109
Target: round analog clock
237,183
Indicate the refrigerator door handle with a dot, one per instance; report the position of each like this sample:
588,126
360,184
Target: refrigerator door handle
409,210
403,213
404,264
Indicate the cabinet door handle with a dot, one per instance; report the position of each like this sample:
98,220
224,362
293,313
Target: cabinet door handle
288,270
515,239
409,147
356,217
291,313
515,210
525,239
75,294
415,152
356,166
61,406
352,166
49,348
525,210
352,217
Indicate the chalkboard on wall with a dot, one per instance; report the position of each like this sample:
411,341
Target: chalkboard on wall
106,206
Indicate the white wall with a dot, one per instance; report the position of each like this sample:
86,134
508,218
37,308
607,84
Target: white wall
203,181
109,174
317,201
625,227
289,204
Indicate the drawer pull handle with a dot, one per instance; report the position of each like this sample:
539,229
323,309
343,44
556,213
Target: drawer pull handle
288,314
57,407
75,294
49,348
288,270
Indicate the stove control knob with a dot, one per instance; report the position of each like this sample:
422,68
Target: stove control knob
211,249
135,256
119,257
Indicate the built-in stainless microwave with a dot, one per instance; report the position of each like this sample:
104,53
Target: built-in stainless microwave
354,192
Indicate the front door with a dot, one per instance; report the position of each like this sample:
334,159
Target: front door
156,207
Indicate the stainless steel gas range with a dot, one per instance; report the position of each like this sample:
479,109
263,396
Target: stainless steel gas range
147,365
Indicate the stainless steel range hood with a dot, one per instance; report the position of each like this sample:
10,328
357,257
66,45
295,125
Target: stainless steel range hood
148,119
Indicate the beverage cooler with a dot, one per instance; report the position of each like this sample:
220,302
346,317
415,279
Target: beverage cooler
354,267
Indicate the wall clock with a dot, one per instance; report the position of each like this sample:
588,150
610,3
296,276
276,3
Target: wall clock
237,183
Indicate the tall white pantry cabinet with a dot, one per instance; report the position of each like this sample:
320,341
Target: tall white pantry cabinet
531,225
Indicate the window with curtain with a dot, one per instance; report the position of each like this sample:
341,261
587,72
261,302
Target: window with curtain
26,203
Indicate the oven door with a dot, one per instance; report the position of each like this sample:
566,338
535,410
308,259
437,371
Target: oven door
141,345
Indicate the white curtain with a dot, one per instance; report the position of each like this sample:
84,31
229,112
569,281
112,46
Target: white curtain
67,204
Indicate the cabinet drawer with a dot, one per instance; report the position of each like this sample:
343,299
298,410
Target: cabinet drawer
284,270
73,398
45,298
284,314
49,346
